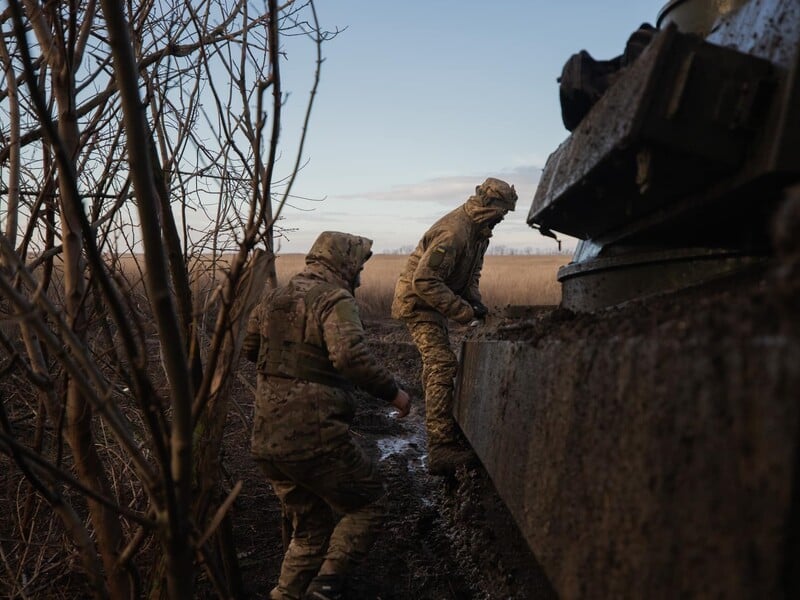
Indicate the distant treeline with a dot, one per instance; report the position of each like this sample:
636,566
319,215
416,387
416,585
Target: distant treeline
500,250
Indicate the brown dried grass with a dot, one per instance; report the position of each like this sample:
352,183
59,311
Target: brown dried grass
505,280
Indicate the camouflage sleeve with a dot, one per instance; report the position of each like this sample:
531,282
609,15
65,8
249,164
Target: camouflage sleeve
428,280
473,292
252,338
347,346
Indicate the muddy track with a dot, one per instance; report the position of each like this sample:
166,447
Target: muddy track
442,539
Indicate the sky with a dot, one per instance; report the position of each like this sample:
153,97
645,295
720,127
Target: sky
419,102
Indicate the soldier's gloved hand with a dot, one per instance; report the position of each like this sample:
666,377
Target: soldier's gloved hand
480,310
402,402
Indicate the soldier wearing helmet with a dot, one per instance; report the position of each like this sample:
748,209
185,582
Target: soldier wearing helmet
308,343
440,282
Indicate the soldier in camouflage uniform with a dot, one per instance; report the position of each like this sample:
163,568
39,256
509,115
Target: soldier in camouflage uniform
308,343
440,282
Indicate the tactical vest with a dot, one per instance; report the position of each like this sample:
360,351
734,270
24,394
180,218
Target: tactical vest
285,353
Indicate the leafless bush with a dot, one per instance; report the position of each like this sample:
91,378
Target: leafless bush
136,139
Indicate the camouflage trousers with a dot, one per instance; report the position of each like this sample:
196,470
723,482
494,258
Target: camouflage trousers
335,504
439,367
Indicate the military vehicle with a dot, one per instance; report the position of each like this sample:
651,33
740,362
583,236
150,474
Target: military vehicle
644,434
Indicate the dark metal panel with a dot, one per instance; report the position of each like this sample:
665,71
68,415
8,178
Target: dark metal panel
681,117
770,29
731,143
608,281
637,464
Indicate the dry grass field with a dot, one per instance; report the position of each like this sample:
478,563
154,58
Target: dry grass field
505,280
527,280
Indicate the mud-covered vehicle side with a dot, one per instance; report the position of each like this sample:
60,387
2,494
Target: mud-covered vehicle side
645,434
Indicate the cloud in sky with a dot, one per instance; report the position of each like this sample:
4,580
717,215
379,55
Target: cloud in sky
392,152
450,190
396,217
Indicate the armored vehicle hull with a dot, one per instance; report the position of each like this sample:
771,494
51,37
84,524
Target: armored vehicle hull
645,433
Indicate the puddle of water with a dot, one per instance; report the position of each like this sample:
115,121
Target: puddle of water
411,445
392,445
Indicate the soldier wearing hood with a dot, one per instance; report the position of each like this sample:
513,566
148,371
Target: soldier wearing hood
308,343
440,282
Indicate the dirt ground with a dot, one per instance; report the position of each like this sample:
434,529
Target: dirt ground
447,538
443,538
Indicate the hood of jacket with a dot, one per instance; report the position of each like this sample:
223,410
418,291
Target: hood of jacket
491,201
341,254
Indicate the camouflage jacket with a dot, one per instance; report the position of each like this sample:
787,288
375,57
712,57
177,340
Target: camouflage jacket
304,400
440,279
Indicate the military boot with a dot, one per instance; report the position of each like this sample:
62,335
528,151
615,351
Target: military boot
444,459
326,587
